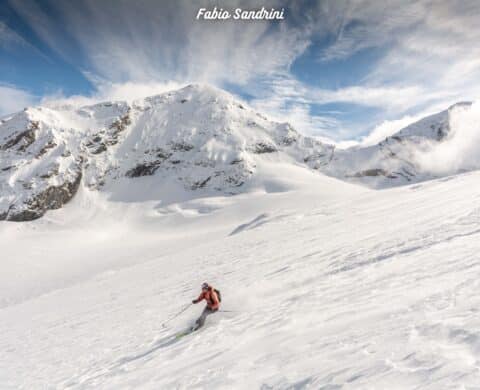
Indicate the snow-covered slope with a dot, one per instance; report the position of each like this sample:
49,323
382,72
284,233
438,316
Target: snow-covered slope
327,285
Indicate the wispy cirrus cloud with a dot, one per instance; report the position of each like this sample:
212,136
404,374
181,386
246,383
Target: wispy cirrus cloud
8,37
164,41
289,99
370,24
426,54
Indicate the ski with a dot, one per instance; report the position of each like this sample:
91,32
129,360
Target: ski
184,333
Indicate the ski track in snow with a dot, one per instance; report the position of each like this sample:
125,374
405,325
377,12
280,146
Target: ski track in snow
373,290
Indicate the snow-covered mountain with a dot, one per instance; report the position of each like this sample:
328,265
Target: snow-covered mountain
188,143
395,161
198,138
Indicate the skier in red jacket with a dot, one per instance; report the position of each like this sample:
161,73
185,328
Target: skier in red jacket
213,303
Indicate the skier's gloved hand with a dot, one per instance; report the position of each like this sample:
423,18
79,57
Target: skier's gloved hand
194,301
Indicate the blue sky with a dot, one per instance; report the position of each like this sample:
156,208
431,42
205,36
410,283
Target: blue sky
338,69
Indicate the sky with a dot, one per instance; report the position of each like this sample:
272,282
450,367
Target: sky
343,70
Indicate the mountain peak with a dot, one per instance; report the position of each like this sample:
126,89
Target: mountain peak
197,138
464,104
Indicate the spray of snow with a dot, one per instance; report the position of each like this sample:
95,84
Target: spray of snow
388,128
459,152
108,91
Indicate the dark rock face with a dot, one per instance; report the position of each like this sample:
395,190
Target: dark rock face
23,216
200,184
100,148
118,126
46,148
53,197
50,172
122,123
181,147
236,161
160,153
236,181
371,173
288,140
441,132
144,169
22,140
261,148
36,194
375,172
314,157
108,137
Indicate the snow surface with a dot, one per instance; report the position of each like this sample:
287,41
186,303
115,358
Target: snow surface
328,285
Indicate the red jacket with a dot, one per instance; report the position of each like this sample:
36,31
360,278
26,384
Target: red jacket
211,297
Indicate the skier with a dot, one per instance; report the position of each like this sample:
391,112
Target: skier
213,303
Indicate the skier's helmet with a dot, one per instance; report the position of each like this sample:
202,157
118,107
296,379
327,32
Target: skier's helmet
205,286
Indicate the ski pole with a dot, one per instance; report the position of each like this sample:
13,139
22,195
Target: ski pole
176,315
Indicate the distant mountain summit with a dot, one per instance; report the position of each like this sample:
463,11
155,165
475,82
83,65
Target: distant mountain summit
196,139
394,161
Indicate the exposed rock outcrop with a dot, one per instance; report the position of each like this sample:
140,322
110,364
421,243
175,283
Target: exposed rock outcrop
53,197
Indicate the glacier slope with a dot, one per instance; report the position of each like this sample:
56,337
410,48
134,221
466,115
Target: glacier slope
330,286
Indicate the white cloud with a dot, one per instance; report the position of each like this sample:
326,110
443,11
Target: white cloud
460,149
106,91
393,97
388,128
287,99
297,114
439,52
13,99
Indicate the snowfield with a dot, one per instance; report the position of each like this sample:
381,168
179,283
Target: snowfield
325,285
127,207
